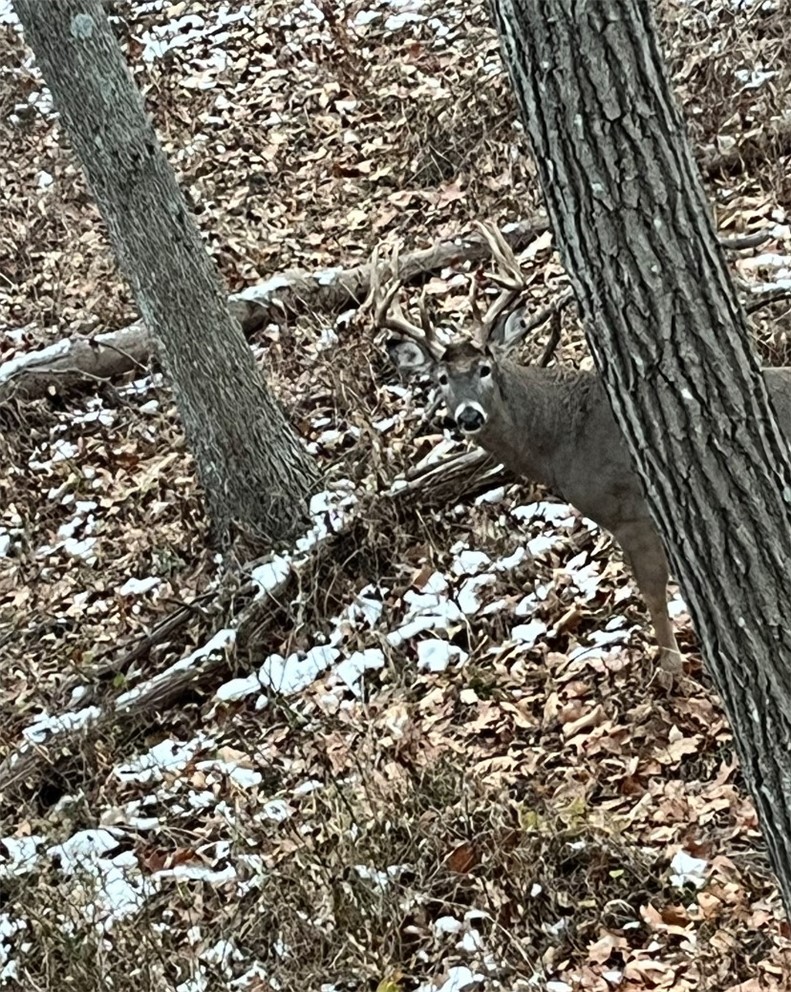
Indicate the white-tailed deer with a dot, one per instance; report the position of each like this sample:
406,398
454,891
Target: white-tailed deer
553,426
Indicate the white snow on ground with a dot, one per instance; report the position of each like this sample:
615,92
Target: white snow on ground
109,883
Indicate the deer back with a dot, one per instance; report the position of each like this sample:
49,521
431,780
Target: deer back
555,427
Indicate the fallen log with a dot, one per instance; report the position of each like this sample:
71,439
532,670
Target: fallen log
48,738
74,363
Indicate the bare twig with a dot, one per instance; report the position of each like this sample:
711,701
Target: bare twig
746,241
552,341
764,299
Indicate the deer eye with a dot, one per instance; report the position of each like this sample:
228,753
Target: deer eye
442,379
484,371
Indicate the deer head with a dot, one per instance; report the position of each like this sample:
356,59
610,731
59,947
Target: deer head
467,372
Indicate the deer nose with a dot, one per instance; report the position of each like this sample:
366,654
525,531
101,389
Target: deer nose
470,419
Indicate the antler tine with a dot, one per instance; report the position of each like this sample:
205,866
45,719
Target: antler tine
510,273
477,318
388,312
510,278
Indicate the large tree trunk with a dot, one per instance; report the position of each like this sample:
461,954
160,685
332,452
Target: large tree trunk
669,339
254,471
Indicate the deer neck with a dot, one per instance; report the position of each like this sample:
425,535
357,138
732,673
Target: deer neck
530,431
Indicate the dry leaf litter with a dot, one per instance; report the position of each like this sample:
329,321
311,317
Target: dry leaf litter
422,749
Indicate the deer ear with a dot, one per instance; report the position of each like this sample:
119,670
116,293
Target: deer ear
408,356
508,329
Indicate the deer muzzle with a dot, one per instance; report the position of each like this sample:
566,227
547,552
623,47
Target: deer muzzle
470,417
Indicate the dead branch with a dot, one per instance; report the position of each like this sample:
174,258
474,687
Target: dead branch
24,766
451,480
75,363
744,242
763,299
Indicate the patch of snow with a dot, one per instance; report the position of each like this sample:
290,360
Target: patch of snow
397,21
305,788
471,942
435,655
350,670
435,584
381,879
19,855
239,688
169,756
560,514
264,290
602,639
272,575
83,848
292,674
676,607
688,870
460,979
245,778
544,542
81,548
429,611
510,562
45,726
41,357
139,587
63,450
9,968
366,608
467,596
469,562
326,277
527,605
277,810
528,633
198,873
7,15
752,79
183,31
120,889
586,579
490,496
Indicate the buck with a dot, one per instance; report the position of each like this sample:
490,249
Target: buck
552,426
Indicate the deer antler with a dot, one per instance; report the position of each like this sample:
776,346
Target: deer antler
387,308
508,274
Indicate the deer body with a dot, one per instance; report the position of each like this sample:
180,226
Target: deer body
552,426
555,427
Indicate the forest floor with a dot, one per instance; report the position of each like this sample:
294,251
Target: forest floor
438,758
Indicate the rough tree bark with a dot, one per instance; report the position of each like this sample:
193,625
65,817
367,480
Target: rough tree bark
251,464
669,338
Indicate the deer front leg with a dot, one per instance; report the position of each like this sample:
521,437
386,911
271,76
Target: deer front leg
643,551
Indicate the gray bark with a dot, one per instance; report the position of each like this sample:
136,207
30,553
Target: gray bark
668,336
253,469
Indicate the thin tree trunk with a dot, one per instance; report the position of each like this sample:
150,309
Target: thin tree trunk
668,336
254,470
